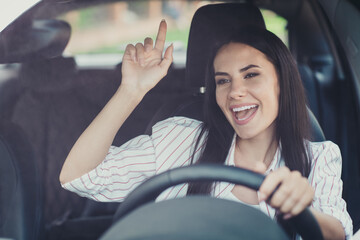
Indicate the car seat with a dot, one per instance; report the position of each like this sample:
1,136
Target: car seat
20,187
45,112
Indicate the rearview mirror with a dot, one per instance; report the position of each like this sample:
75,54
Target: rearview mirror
43,38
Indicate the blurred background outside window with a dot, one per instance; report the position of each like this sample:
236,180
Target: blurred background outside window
101,33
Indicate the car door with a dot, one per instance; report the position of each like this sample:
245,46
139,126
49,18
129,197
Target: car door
341,26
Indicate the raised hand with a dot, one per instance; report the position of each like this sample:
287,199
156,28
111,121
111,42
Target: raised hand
143,65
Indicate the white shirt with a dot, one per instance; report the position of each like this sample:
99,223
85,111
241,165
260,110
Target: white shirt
171,145
232,197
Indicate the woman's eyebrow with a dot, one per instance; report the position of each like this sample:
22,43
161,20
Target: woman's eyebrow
241,70
248,67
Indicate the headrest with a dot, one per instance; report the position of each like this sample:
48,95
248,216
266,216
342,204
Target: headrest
208,22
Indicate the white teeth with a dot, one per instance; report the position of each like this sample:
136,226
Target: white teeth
243,108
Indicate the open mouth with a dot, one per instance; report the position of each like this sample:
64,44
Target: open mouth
245,113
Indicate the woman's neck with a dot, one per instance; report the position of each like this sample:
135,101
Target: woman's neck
252,151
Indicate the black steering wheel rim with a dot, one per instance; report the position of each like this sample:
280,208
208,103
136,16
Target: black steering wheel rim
305,224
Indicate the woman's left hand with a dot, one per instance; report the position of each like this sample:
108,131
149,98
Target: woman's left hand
293,195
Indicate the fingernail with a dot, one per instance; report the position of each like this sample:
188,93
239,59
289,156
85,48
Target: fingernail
163,20
287,216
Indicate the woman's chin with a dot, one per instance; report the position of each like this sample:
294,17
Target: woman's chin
245,136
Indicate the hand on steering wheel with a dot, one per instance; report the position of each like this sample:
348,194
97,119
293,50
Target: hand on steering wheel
304,223
288,191
143,65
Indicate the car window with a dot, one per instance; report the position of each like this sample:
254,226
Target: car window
101,33
13,9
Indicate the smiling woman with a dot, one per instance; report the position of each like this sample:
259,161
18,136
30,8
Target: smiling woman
52,95
256,69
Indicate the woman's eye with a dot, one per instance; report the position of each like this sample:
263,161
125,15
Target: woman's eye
222,81
251,75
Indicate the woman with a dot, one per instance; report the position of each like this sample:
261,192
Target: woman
255,118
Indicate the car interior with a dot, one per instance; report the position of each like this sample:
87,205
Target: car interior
47,100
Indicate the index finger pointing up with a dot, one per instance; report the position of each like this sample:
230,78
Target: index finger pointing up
161,36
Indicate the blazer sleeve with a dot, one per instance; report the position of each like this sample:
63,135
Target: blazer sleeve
127,166
123,169
325,178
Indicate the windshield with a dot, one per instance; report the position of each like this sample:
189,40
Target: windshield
13,9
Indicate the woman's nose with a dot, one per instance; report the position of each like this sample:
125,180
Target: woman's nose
238,90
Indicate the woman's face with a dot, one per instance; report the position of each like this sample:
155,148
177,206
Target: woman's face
247,90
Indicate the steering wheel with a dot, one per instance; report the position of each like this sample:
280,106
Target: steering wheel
200,217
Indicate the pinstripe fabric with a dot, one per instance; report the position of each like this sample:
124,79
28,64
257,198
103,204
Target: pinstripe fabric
171,145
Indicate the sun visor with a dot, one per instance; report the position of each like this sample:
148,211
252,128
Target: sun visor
42,38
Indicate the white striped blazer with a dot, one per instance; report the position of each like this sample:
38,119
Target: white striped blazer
171,145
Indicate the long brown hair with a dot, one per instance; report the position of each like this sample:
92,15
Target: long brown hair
292,126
